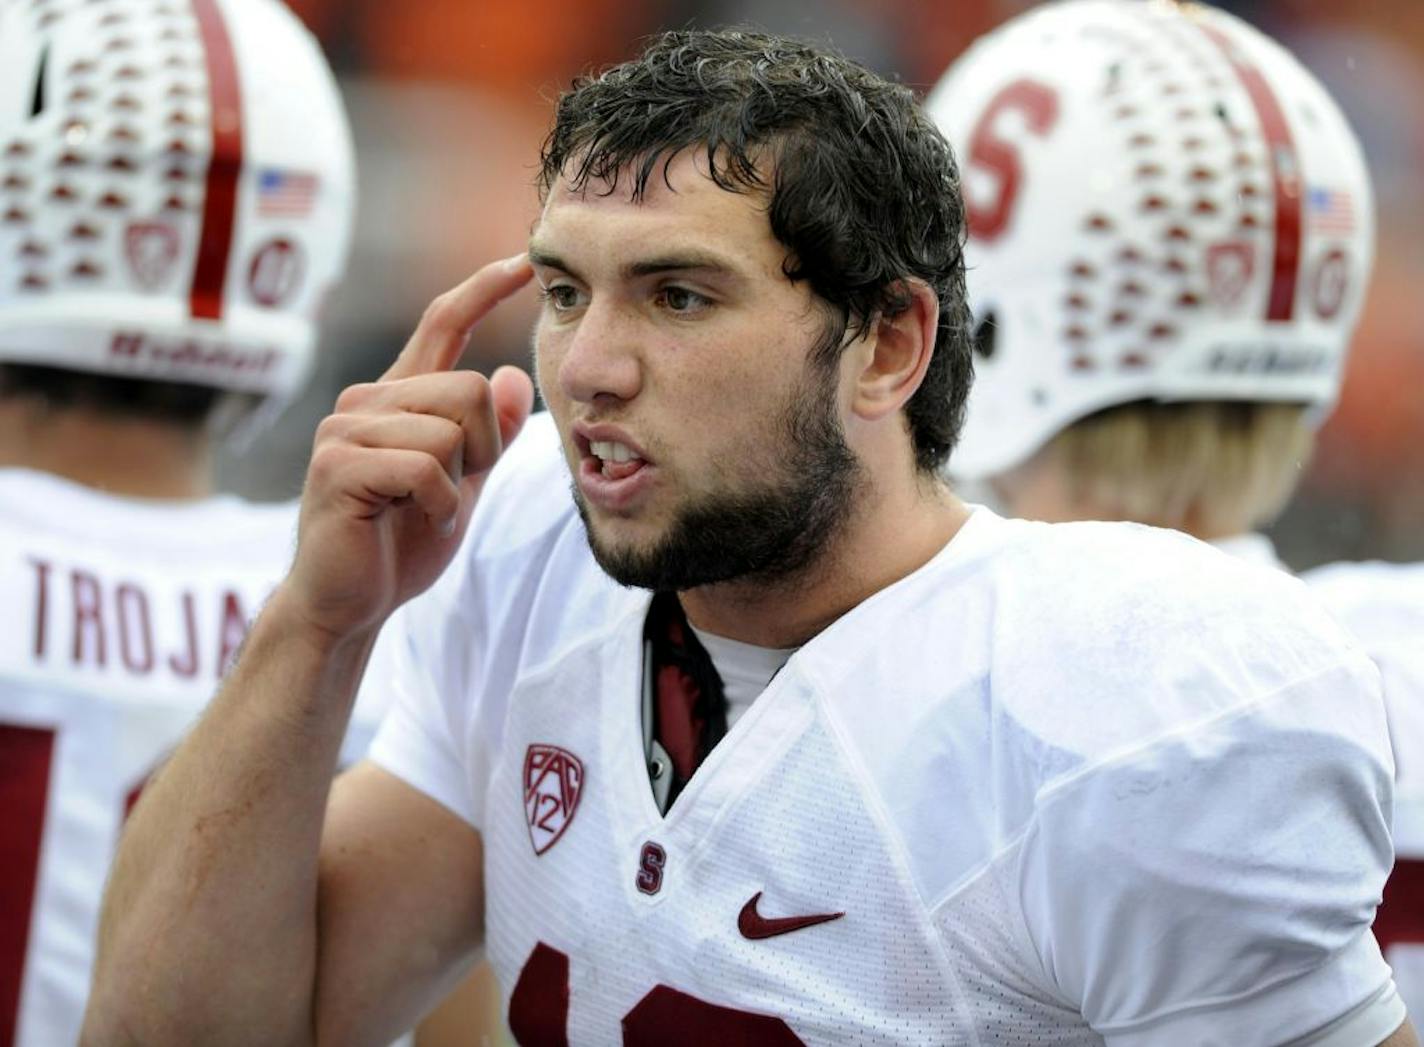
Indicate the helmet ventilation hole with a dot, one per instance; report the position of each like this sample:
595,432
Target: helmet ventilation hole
985,336
37,105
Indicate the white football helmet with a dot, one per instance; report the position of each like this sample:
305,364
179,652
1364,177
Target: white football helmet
1163,204
176,190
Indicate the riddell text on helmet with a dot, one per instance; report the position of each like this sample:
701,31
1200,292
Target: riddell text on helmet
1268,358
215,357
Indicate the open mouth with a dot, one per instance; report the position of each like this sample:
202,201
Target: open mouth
612,472
614,460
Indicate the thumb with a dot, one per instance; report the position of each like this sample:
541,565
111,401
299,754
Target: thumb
513,395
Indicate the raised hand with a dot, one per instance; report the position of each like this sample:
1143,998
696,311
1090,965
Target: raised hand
396,470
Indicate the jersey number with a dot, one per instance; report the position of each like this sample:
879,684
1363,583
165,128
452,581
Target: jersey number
987,150
539,1013
1400,918
25,757
25,754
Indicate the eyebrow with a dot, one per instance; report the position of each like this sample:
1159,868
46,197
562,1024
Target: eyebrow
679,261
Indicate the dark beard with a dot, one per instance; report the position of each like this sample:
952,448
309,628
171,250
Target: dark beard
762,536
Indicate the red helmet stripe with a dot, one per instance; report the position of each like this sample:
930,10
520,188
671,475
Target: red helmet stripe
1285,176
220,197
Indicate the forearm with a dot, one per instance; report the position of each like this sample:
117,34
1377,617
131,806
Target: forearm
209,926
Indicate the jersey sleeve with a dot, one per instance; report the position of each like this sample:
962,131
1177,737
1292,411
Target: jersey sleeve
419,737
1217,885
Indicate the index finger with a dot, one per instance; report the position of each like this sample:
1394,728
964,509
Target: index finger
440,338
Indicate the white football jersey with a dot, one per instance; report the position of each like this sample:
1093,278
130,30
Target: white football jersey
121,617
1383,605
1065,784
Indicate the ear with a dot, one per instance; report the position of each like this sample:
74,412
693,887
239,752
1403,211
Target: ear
891,359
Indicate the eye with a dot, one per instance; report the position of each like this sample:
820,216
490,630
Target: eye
561,297
681,300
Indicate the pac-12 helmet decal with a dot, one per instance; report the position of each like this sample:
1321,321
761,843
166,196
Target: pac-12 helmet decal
1163,204
176,190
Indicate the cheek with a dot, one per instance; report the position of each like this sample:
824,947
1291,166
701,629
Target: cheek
735,417
548,354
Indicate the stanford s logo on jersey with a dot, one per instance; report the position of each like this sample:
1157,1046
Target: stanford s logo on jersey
650,868
553,782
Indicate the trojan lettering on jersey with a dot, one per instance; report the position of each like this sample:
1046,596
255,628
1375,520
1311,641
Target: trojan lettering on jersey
88,620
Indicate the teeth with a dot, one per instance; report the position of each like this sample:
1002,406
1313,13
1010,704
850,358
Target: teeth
611,451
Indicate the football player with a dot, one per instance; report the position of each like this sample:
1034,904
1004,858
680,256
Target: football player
176,191
1171,231
728,720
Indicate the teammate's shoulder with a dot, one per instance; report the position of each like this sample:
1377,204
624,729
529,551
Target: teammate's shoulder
1072,575
1118,563
243,519
1372,597
1118,601
1115,540
219,529
1356,580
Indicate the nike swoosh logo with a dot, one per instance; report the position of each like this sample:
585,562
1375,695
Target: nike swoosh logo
755,926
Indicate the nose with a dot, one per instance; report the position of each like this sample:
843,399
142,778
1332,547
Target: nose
600,358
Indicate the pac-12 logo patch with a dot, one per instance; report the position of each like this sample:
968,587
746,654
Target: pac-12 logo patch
553,783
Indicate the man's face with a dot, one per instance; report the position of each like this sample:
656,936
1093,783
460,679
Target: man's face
676,357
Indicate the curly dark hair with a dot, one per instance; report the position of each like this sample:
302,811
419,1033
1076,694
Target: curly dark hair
864,192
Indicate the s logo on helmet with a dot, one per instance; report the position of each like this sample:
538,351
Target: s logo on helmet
1037,104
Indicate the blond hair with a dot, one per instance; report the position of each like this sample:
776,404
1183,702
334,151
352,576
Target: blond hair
1212,468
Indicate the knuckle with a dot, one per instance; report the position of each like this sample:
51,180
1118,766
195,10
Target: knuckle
440,311
449,441
471,386
430,473
327,463
353,396
331,428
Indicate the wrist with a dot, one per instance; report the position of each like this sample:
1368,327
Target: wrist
286,619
